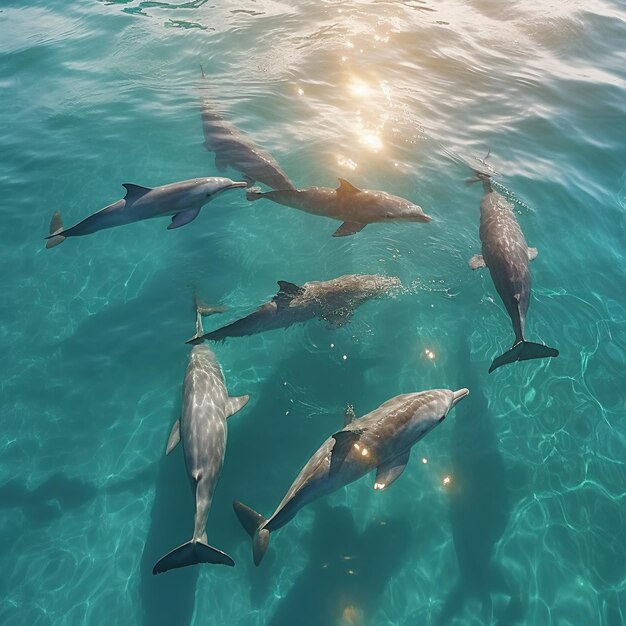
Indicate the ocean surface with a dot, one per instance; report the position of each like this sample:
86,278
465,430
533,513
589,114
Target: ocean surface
512,511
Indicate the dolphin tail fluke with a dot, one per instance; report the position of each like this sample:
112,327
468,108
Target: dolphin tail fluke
253,523
196,340
523,351
203,310
56,227
254,193
192,553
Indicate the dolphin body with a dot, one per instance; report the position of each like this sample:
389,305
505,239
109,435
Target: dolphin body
233,149
354,207
380,440
333,301
506,254
183,200
202,429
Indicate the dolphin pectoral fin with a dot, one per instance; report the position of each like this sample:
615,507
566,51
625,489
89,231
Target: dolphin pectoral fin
345,441
532,254
477,262
184,217
348,415
174,439
346,188
56,227
134,192
390,470
234,404
348,228
286,293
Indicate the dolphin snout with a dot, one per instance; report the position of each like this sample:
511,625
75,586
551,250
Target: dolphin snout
236,184
459,395
417,214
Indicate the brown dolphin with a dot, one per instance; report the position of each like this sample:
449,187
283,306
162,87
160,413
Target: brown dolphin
356,208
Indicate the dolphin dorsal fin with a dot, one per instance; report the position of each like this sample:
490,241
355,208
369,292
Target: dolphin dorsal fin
286,293
134,191
345,441
347,188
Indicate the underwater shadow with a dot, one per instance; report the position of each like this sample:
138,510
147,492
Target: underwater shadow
58,495
52,498
347,572
480,507
297,406
127,345
168,599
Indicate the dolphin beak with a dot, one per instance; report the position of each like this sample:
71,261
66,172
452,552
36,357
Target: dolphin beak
459,395
236,184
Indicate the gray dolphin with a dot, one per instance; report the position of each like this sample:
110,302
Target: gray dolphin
380,440
356,208
233,149
202,429
506,254
333,301
183,200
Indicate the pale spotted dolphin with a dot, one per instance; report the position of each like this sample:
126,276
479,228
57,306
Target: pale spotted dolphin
333,301
202,429
355,207
380,440
506,254
182,200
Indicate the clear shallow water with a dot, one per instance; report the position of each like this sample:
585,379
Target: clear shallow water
530,529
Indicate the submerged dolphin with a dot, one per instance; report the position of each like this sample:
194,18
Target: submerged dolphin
233,149
380,440
356,208
202,429
506,254
333,301
183,200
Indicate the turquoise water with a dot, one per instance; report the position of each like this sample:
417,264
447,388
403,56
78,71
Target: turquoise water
529,528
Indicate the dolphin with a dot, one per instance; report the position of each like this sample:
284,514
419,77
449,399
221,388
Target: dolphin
380,440
233,149
183,200
506,254
333,301
355,207
202,430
